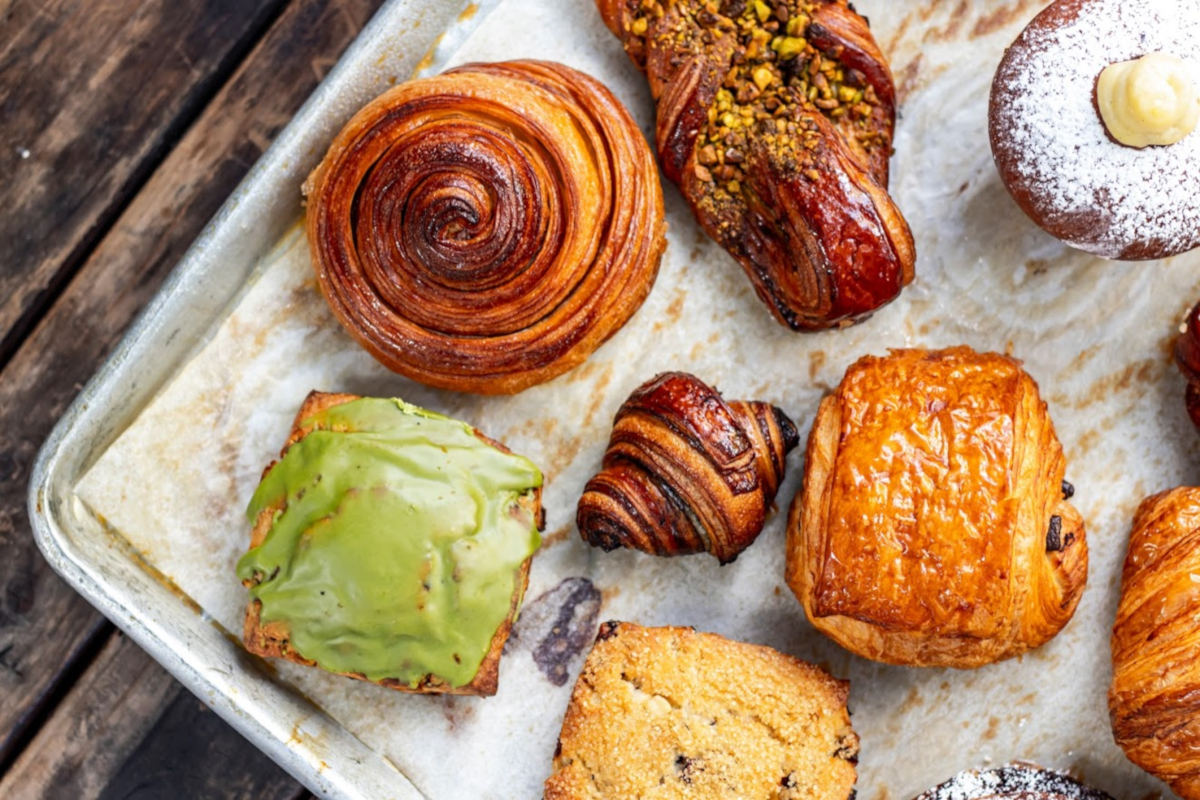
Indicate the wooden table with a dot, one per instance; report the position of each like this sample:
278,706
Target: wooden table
124,124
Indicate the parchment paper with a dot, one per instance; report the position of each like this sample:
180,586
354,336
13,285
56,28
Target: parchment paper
1096,335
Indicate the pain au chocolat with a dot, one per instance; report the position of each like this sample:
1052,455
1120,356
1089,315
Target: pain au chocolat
933,527
486,229
775,118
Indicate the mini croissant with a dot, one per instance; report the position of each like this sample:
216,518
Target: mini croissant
1154,700
933,528
775,118
686,471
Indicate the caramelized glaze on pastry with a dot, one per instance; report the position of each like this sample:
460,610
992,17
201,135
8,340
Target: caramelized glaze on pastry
933,527
776,121
686,471
486,229
1154,700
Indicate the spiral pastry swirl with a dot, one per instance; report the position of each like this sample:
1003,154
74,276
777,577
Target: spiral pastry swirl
775,118
1154,699
486,229
686,471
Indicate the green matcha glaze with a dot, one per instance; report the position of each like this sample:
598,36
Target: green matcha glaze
397,549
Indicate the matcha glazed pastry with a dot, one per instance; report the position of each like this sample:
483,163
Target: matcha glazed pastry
391,545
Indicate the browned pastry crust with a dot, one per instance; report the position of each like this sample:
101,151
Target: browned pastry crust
1154,700
671,713
932,528
486,229
686,471
272,640
776,120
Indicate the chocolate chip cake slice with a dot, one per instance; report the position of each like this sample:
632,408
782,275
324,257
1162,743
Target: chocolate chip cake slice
669,712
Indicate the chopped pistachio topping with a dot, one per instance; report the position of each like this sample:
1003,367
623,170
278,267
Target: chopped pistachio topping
776,73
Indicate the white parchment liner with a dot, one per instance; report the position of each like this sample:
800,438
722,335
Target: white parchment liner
1096,335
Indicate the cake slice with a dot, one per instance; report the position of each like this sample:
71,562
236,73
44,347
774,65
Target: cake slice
390,544
671,713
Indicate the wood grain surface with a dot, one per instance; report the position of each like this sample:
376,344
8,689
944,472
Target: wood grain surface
94,92
139,119
126,729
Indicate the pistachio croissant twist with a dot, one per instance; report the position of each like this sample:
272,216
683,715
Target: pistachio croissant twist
486,229
686,471
1154,700
775,117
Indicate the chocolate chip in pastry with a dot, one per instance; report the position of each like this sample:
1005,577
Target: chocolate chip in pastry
1154,700
776,120
672,713
486,229
686,471
932,528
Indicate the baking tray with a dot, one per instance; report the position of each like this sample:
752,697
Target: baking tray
402,38
1096,335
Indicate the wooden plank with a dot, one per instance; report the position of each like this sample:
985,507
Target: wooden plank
77,631
114,736
101,720
191,754
40,617
92,95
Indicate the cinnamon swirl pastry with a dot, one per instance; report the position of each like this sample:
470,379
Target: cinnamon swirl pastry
686,471
776,120
486,229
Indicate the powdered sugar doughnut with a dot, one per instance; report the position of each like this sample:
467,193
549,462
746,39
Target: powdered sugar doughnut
1015,781
1053,151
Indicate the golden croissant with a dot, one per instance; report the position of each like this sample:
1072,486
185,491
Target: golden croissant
686,471
1154,700
775,118
486,229
933,527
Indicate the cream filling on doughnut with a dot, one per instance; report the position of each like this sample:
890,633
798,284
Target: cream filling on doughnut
1152,100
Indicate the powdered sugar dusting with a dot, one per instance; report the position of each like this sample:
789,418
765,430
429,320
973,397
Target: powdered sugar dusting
1015,781
1077,176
